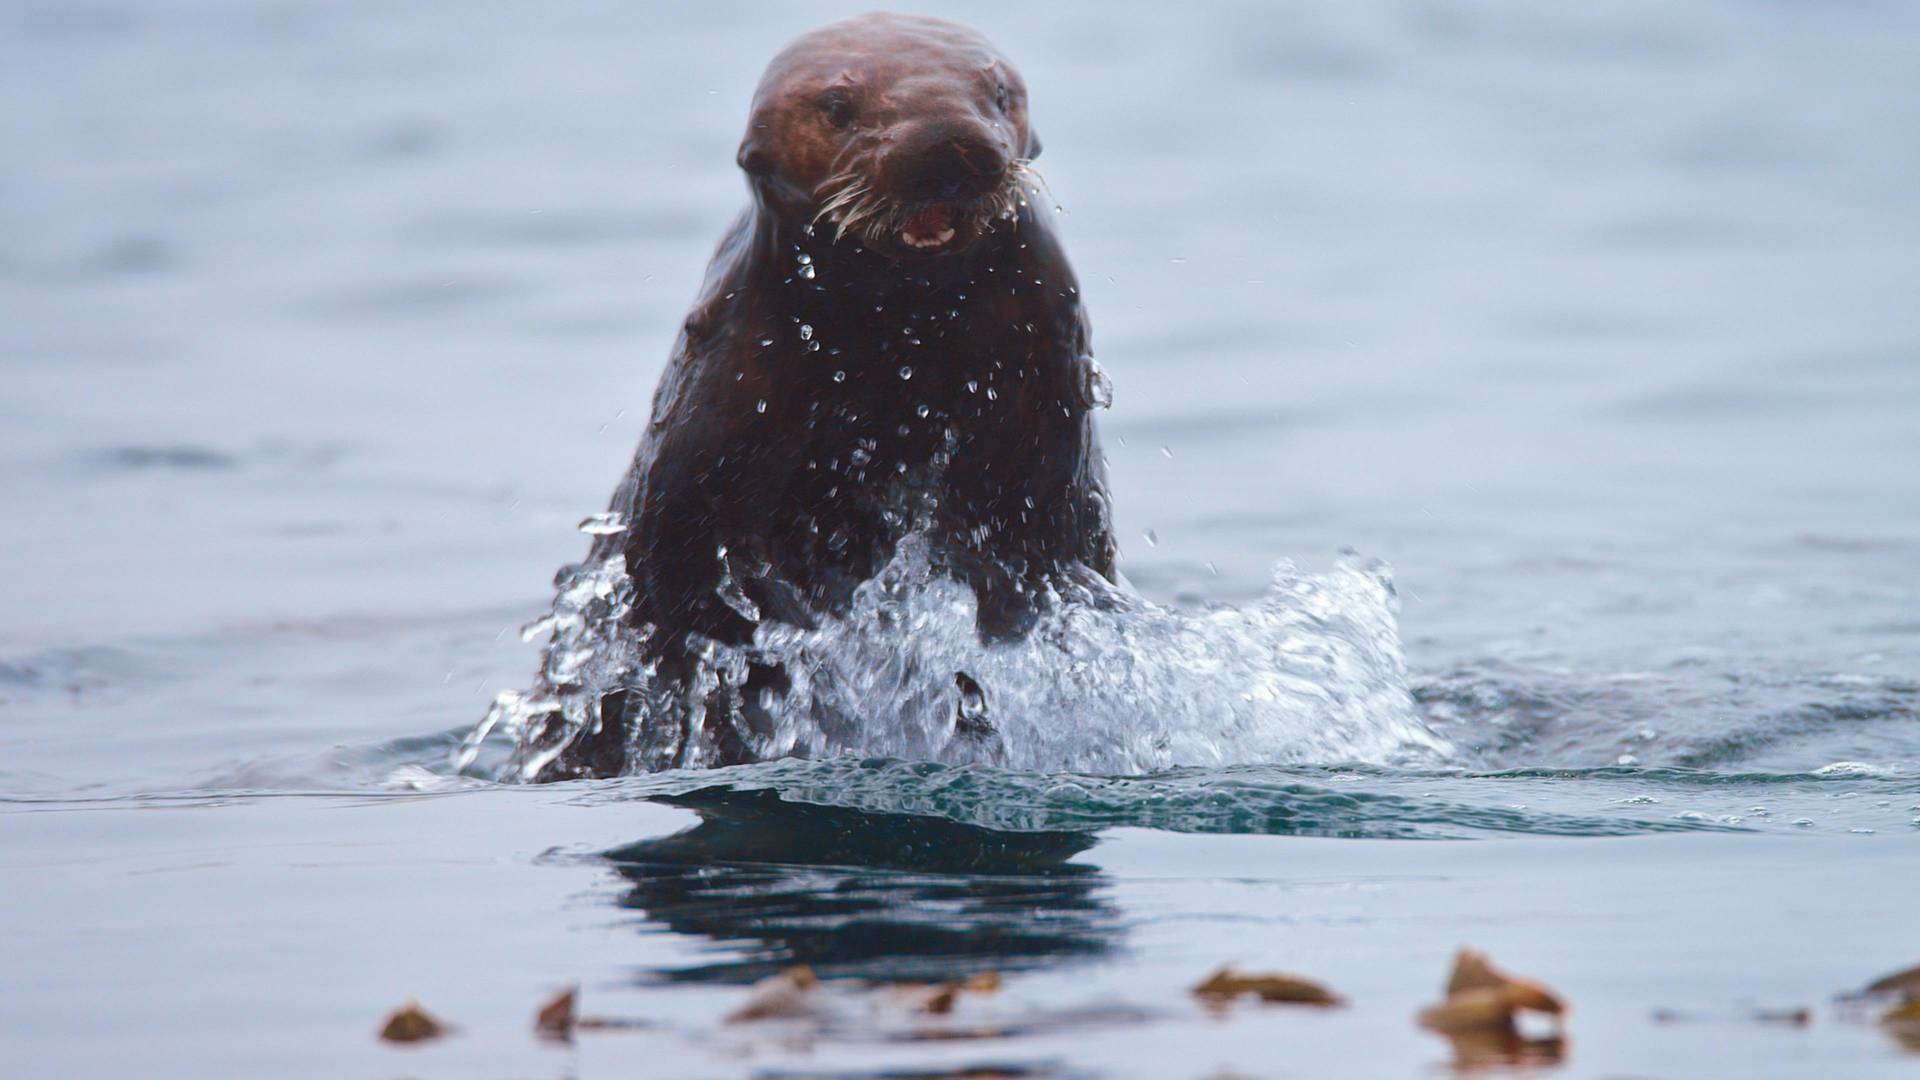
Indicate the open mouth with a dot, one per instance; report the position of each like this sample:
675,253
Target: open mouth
913,229
929,230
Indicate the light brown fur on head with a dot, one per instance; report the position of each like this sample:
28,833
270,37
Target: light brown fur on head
894,130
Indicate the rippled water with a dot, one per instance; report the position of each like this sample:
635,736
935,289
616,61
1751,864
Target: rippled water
324,326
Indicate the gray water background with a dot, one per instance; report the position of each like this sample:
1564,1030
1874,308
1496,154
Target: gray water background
321,325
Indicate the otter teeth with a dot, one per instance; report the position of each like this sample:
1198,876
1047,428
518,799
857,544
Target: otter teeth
913,240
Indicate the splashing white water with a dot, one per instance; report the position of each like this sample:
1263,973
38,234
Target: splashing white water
1103,682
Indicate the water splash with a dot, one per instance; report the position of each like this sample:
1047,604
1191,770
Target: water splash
1103,682
607,523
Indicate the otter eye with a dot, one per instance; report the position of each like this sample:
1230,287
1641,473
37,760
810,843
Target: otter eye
839,112
1000,96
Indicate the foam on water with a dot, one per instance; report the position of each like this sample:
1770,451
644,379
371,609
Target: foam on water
1103,682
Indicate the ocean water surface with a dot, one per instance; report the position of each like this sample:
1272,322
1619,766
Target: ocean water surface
1515,452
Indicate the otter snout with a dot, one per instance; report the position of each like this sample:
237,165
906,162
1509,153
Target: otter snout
946,162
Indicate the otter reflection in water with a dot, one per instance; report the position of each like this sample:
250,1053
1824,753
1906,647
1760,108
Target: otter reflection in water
854,892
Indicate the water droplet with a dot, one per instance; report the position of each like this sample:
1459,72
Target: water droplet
765,341
1166,452
807,272
839,376
806,331
1096,390
906,371
923,411
760,406
1153,538
604,524
973,386
992,394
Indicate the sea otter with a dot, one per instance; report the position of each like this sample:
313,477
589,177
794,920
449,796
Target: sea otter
889,340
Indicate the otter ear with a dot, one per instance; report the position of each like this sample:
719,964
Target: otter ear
751,157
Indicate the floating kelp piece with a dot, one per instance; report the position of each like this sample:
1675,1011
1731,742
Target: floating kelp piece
1902,1022
1477,1016
1480,1009
1482,1049
1227,984
1903,984
940,998
411,1024
556,1018
784,996
1479,994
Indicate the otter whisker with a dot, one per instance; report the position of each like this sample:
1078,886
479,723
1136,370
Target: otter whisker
1026,174
846,203
830,205
847,194
837,192
851,204
872,206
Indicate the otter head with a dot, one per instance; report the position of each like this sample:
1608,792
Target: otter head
904,134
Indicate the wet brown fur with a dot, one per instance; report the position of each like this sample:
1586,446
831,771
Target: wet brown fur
784,432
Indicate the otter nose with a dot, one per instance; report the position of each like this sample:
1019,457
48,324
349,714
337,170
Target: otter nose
954,165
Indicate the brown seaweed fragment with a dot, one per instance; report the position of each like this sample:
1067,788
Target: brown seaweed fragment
1904,984
783,996
1477,1016
411,1024
1227,984
556,1018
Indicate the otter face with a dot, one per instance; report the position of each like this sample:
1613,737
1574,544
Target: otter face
904,134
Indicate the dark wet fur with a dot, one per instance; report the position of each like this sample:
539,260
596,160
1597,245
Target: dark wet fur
761,466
